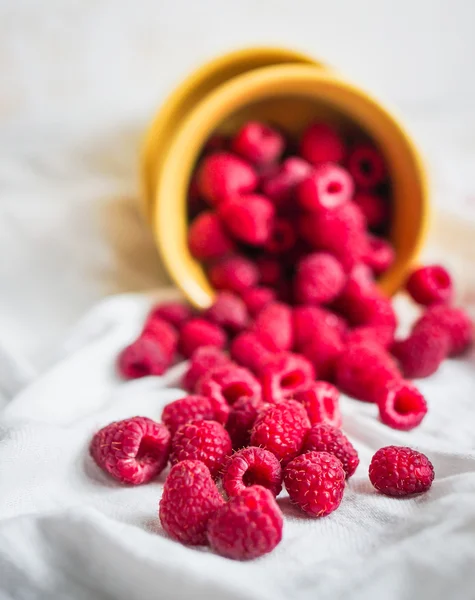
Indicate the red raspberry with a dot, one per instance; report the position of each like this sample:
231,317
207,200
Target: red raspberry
320,400
203,360
235,273
174,313
163,333
280,186
207,441
282,238
133,451
222,175
421,354
400,471
402,406
258,143
207,238
241,419
315,482
145,356
270,270
320,143
283,375
309,321
228,384
190,497
228,311
360,284
323,352
281,429
326,438
380,255
454,321
374,208
366,166
247,351
373,309
189,408
248,218
374,334
197,333
319,279
274,327
252,466
257,298
430,285
216,143
248,526
328,186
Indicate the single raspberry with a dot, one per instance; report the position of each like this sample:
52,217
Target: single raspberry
321,401
207,238
323,437
163,333
222,175
252,466
248,526
197,333
366,166
228,311
321,143
270,270
402,406
374,208
454,321
247,350
430,285
380,255
216,143
421,354
372,309
258,143
280,186
241,419
235,273
382,335
319,279
282,237
360,284
323,351
190,497
315,482
248,218
400,471
203,359
283,375
257,298
207,441
133,451
281,429
174,313
328,186
189,408
310,321
228,384
274,327
143,357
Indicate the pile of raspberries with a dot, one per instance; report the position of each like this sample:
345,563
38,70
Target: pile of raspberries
293,245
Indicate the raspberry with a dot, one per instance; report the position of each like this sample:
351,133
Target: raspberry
283,375
319,279
320,400
373,309
207,238
374,209
323,351
400,471
203,360
257,298
402,406
207,441
274,327
328,186
248,526
309,321
454,321
228,384
190,497
133,451
241,419
421,354
281,429
198,332
326,438
374,334
174,313
235,273
189,408
280,186
430,285
252,466
223,175
247,351
145,356
282,237
380,255
315,482
163,333
366,166
248,218
360,284
320,143
258,143
228,311
270,270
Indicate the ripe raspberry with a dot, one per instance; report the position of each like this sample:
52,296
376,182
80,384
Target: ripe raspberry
374,334
372,309
207,441
274,327
174,313
133,451
402,406
247,351
374,208
248,218
400,471
326,438
320,400
190,497
283,375
197,333
315,482
430,285
280,186
270,270
328,186
222,175
163,333
252,466
310,321
248,526
319,279
145,356
241,419
282,238
228,311
189,408
258,143
421,354
320,143
281,429
207,238
360,284
380,255
366,166
257,298
235,273
203,359
454,321
323,352
228,384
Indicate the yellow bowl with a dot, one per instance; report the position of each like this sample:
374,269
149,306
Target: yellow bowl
290,95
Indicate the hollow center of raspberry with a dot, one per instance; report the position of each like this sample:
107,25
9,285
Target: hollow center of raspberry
147,452
441,278
366,166
334,187
406,402
292,380
234,391
254,476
